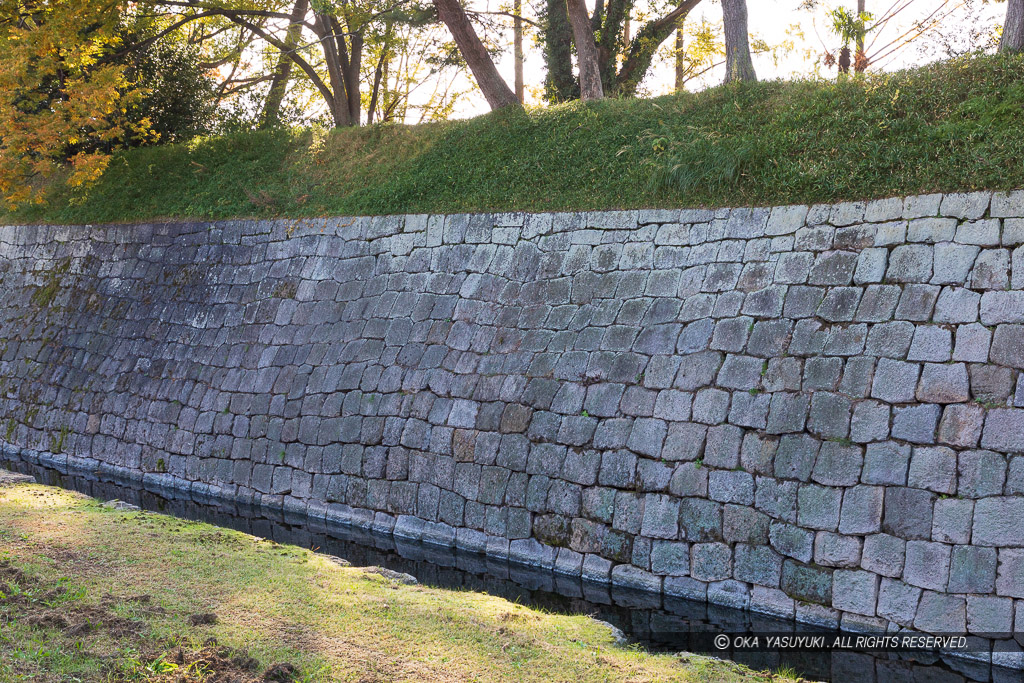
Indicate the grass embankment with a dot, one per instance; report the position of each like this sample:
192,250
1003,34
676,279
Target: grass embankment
954,125
89,593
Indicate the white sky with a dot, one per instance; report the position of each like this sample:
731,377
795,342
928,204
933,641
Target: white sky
776,21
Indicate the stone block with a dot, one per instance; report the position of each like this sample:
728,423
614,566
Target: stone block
807,583
940,613
628,576
997,522
895,381
723,446
710,406
953,263
933,468
787,413
795,457
710,561
838,464
862,510
819,507
670,558
757,564
743,524
961,425
836,550
870,266
1010,574
661,516
991,270
884,554
898,601
908,513
927,565
700,520
855,591
972,570
910,263
776,498
792,541
830,415
981,474
915,423
931,230
886,463
951,521
647,436
1004,430
989,615
731,486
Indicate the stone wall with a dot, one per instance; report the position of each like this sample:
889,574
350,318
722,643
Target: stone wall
814,412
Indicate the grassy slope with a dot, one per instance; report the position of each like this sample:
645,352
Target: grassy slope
950,126
278,603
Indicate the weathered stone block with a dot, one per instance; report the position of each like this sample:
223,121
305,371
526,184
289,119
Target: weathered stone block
807,583
792,541
671,558
927,565
951,521
997,522
981,474
884,554
862,510
908,513
915,423
710,561
836,550
972,570
855,591
818,507
1010,576
933,468
898,601
1004,430
939,613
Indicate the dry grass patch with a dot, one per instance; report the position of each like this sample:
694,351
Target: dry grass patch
167,599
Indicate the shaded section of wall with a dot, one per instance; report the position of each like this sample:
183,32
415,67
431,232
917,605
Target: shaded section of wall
813,412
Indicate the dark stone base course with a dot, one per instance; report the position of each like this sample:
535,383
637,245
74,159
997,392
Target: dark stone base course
810,412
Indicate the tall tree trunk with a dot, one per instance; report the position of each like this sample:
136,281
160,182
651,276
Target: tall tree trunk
491,84
738,65
586,50
379,73
860,59
339,100
559,82
517,49
283,72
680,58
638,58
1013,28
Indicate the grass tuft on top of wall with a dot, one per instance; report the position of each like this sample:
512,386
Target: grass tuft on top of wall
948,126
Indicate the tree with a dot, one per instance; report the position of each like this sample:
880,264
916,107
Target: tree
738,64
61,104
1013,28
490,82
283,71
517,49
622,61
586,51
859,27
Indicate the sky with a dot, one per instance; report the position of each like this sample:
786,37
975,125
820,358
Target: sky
968,24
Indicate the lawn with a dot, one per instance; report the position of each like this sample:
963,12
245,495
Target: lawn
89,593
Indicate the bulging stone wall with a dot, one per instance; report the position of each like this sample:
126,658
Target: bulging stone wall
815,412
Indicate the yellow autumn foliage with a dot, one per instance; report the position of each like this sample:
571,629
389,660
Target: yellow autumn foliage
62,99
